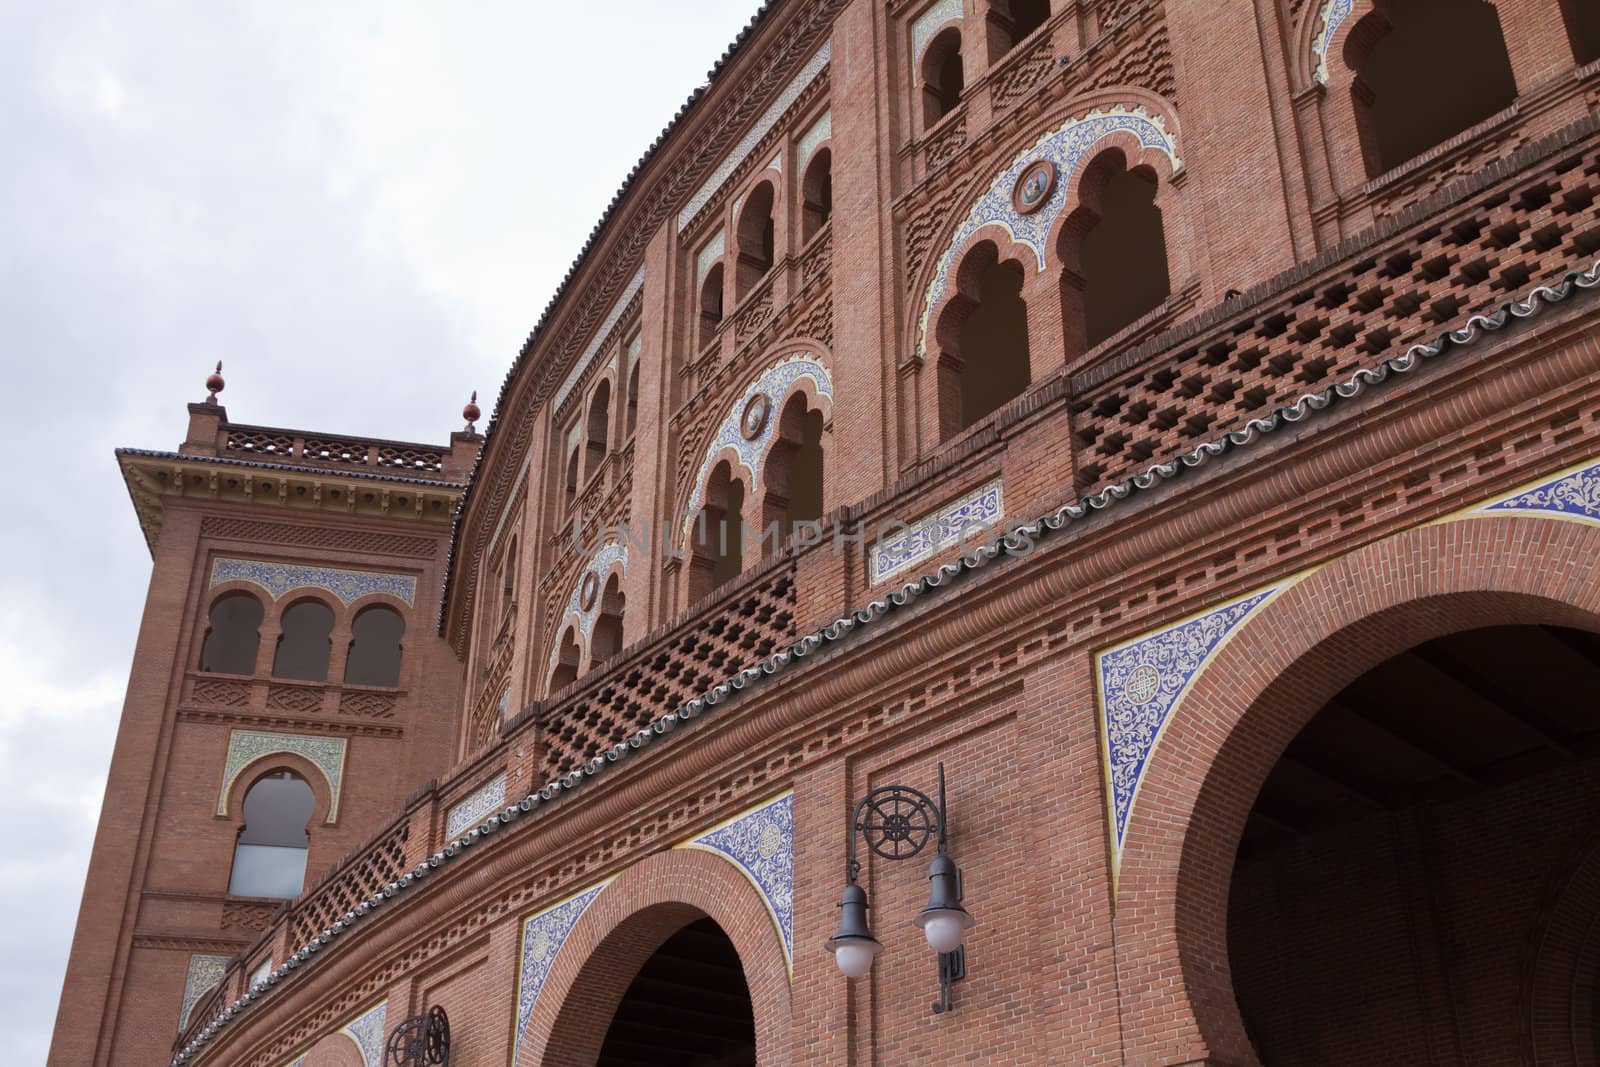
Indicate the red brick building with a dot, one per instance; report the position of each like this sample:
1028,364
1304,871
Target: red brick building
1177,422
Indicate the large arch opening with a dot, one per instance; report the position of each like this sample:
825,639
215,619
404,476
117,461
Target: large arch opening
943,76
234,636
1582,18
983,362
792,482
1398,853
716,550
1113,251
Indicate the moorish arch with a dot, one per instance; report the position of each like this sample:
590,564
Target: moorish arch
595,600
584,975
1261,680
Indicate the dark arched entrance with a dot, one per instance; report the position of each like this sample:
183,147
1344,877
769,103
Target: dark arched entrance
689,1006
1396,894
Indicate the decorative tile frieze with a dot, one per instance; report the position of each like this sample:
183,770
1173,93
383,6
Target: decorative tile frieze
542,937
204,974
246,747
1141,685
278,579
1329,19
776,384
581,364
820,131
1066,147
1572,494
760,842
978,511
769,118
928,23
476,806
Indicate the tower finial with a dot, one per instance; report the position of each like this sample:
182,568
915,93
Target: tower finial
471,413
214,383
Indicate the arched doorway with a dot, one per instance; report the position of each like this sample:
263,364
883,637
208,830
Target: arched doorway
1396,857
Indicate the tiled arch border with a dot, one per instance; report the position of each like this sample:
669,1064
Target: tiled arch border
608,559
247,748
625,922
1251,699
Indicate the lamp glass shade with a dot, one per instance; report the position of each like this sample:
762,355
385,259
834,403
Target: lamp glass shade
855,957
945,929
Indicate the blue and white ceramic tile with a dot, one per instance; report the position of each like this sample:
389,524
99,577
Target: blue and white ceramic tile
247,746
476,806
820,131
599,338
1574,494
769,118
1066,147
609,557
1141,684
1332,16
368,1034
777,382
709,255
760,843
279,578
204,974
923,29
542,938
981,509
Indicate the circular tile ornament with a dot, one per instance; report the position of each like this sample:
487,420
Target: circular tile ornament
1143,684
1034,186
755,416
589,591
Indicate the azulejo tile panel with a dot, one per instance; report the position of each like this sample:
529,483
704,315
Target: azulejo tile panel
1141,685
279,578
1329,19
820,131
204,974
1066,147
581,364
1572,494
476,806
542,937
608,557
760,842
978,510
776,383
927,23
367,1031
247,746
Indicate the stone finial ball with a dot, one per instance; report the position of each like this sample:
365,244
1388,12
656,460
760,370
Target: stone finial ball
471,412
214,382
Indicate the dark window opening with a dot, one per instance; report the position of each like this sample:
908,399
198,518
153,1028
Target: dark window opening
943,77
1583,28
599,423
572,477
818,192
606,641
792,479
304,646
717,534
710,304
269,858
755,239
1114,251
234,637
633,399
375,647
565,671
984,358
1011,23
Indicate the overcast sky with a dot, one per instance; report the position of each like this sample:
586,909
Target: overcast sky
360,207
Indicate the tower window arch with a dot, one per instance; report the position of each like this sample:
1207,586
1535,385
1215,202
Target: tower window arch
1113,251
792,480
605,641
375,647
234,635
572,476
983,360
269,857
1425,71
568,654
756,239
943,76
598,425
305,643
717,534
1010,22
817,191
710,304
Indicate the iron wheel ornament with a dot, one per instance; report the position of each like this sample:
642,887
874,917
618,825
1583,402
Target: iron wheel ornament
420,1041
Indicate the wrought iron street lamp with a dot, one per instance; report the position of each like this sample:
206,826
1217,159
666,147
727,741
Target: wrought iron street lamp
897,822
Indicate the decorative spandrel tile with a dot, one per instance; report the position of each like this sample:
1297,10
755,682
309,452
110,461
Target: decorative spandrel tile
581,364
280,578
204,974
760,842
820,131
769,118
709,255
606,559
981,509
1573,494
1329,19
1066,147
476,806
367,1032
542,937
1141,684
776,384
247,746
928,23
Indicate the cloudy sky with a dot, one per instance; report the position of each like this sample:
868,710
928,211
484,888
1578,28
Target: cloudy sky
361,208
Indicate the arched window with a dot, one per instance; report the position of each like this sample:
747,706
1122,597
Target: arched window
606,640
943,78
565,671
717,535
817,189
572,477
710,304
756,241
1114,251
1583,28
983,337
304,645
1011,21
1425,71
375,647
633,392
234,635
599,423
792,480
269,858
508,578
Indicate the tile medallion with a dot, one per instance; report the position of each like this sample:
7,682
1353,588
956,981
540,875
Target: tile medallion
928,23
245,747
760,842
279,578
542,937
608,558
1329,19
1141,685
776,384
477,805
769,118
1572,494
1066,147
819,132
601,333
204,974
979,510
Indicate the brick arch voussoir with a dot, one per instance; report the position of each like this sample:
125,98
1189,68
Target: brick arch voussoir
632,917
1264,685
